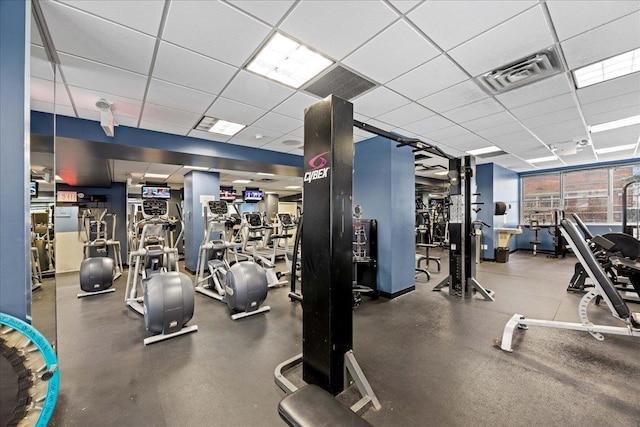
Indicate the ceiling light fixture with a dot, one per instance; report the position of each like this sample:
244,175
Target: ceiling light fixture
197,168
618,66
629,121
288,62
542,159
485,150
223,127
59,178
156,175
615,149
242,181
441,173
293,187
264,174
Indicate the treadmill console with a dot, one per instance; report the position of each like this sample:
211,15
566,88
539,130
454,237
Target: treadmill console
254,219
218,207
155,208
285,219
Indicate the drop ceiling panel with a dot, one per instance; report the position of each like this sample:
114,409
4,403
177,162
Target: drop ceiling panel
583,156
543,89
123,120
430,124
208,135
609,116
257,91
436,75
505,129
295,105
45,91
171,116
628,100
277,145
475,110
462,141
337,27
162,169
521,36
178,97
561,132
449,23
40,65
35,34
140,15
406,114
378,101
446,133
456,96
611,39
278,123
233,111
247,137
384,58
571,18
90,37
512,141
164,127
623,155
213,30
609,89
555,117
269,11
544,106
103,78
487,122
616,137
86,99
177,65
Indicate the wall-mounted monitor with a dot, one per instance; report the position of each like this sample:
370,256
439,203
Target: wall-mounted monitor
228,194
252,196
156,193
33,189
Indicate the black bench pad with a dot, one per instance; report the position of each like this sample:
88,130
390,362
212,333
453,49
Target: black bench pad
312,406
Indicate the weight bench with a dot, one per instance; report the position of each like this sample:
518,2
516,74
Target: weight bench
603,287
312,406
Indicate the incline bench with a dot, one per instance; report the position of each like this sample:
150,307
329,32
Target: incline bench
312,406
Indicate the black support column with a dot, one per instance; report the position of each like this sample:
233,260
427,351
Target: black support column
326,244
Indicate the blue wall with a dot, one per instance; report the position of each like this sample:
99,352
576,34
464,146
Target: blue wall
196,184
384,185
15,279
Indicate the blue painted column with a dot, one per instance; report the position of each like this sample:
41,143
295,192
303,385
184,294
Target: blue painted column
196,184
384,185
15,38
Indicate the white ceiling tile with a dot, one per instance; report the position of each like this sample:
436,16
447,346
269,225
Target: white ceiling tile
430,124
170,116
465,141
40,65
616,137
337,27
406,114
277,145
594,118
561,132
123,120
475,110
86,99
88,74
631,99
91,114
208,135
177,65
581,157
505,129
35,33
437,74
404,5
519,37
487,122
256,90
247,137
178,97
278,123
297,152
163,168
141,15
213,29
544,106
516,140
45,91
551,118
398,57
543,89
611,39
445,134
295,105
449,23
456,96
269,11
48,107
571,18
232,111
378,101
81,34
609,89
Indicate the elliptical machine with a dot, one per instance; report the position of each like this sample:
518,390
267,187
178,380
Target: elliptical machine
167,299
98,269
256,233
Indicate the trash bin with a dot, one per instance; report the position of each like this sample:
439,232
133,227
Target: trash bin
502,254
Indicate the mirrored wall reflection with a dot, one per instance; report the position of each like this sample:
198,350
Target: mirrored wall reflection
42,189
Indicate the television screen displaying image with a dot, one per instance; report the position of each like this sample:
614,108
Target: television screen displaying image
228,194
156,193
33,189
252,196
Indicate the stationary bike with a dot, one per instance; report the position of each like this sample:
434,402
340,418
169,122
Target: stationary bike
167,299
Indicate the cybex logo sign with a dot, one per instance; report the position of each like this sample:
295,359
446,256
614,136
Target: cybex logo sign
318,169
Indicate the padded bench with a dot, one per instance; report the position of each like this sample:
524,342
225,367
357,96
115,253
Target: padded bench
312,406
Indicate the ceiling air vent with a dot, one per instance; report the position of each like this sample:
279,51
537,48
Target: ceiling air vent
522,72
340,82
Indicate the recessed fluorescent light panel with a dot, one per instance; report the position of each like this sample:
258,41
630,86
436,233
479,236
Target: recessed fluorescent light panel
156,175
292,187
485,150
615,149
197,168
242,181
629,121
542,159
441,173
265,174
288,62
608,69
211,124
